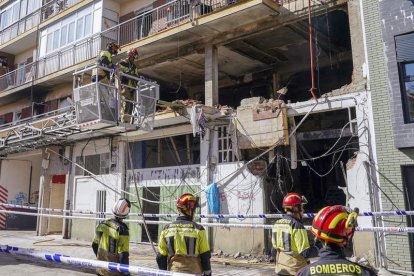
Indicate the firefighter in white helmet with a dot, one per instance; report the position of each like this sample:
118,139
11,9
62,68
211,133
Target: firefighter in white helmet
111,242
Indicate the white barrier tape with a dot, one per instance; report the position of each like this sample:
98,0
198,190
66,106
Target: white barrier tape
224,225
86,262
219,216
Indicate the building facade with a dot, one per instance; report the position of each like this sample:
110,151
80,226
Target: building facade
392,111
233,79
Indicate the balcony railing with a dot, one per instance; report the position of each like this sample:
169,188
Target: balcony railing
33,19
154,21
54,7
26,23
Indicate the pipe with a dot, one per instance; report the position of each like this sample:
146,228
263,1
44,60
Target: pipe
401,271
311,51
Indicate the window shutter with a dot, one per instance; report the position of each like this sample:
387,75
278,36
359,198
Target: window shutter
404,47
26,112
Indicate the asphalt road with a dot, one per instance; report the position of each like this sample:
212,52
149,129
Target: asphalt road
140,255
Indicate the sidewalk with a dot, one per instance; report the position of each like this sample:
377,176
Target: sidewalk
140,255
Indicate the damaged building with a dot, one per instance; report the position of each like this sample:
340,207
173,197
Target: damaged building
231,92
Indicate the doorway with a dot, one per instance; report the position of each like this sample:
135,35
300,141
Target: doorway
152,194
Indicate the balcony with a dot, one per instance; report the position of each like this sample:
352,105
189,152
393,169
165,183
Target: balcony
27,24
154,32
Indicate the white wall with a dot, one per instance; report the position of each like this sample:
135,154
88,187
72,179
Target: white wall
357,177
131,6
85,187
15,177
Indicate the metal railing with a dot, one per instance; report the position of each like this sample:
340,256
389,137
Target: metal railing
68,56
24,24
166,16
33,19
54,7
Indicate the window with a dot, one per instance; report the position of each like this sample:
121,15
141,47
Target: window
17,10
73,28
97,164
100,203
9,15
64,35
170,151
405,59
407,79
225,152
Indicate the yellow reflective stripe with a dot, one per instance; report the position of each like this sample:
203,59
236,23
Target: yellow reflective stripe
299,241
162,246
203,242
106,54
281,228
179,235
336,220
319,213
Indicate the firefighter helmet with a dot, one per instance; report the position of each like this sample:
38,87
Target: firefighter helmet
187,202
113,48
133,53
121,208
335,224
292,200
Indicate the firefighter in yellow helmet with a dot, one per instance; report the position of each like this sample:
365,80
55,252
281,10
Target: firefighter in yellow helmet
128,66
290,238
111,242
105,60
335,226
183,245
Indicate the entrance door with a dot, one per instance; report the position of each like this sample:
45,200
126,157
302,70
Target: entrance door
56,201
408,180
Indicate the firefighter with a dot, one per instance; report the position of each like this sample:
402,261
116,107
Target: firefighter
111,242
183,245
105,60
290,238
335,226
128,66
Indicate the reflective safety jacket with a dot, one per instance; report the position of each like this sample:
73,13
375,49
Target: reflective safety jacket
111,244
290,239
105,60
183,247
333,262
128,68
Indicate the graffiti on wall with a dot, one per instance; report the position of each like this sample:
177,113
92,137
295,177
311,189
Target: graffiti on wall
168,176
238,195
20,199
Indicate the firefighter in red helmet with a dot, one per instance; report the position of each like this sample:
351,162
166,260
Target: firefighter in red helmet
335,226
183,245
290,238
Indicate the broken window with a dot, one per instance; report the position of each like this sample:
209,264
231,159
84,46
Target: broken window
225,149
165,152
97,164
